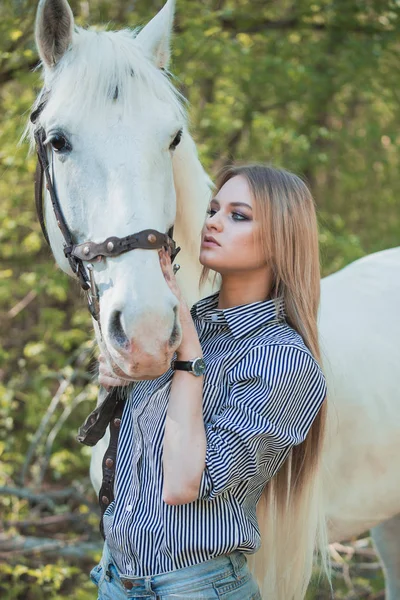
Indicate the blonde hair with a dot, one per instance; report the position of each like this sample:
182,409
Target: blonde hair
290,511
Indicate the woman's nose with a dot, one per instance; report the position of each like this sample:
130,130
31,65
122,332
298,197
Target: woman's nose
214,222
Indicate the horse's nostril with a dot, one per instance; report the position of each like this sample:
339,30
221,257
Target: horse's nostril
116,330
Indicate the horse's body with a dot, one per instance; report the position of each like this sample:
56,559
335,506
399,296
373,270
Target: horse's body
119,176
358,333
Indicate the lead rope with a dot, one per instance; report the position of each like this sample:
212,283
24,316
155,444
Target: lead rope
106,493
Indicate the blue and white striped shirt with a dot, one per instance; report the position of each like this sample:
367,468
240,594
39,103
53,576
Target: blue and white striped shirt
262,390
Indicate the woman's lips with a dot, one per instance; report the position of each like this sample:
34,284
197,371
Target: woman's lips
209,241
209,244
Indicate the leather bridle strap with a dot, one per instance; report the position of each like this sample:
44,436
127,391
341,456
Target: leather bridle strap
77,254
76,265
148,239
39,199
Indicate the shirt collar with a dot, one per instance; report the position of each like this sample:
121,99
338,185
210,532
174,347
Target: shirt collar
241,319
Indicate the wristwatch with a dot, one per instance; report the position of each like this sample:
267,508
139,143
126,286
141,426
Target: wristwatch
197,366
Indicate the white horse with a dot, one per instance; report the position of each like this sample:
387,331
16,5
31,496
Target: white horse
112,120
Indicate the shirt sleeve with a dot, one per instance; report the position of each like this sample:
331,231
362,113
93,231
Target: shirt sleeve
275,394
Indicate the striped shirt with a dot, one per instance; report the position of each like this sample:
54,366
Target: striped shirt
261,392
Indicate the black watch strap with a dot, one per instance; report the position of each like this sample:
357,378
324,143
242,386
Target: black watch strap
197,366
183,365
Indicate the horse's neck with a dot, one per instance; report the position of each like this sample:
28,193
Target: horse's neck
193,190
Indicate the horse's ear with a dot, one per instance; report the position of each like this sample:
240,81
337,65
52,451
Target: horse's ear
54,29
155,37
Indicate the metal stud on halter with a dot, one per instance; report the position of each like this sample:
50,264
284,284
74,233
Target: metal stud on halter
92,295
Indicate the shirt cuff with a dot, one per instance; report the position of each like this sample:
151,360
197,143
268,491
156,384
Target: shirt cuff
207,488
205,485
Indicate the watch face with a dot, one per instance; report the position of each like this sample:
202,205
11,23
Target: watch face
199,366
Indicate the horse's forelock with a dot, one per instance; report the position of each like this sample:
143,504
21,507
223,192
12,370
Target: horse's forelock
103,67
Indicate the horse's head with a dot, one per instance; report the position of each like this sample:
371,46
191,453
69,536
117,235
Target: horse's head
112,123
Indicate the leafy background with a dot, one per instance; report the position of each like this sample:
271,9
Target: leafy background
311,85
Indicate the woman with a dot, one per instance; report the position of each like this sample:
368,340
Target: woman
199,451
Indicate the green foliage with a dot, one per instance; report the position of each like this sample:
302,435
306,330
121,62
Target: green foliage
311,86
46,582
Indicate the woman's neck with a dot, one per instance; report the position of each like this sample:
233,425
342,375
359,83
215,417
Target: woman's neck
245,287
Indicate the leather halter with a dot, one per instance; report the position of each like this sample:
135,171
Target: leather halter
77,254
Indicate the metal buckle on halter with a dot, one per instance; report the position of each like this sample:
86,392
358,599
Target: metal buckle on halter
174,251
93,295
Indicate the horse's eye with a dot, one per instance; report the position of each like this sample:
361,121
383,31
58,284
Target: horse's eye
60,143
176,140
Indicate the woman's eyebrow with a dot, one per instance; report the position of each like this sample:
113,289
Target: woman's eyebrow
215,200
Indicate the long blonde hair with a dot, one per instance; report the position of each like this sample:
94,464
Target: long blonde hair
290,511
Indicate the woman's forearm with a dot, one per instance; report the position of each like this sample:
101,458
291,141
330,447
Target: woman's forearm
184,448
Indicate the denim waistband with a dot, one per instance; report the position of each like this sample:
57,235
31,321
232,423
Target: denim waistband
210,570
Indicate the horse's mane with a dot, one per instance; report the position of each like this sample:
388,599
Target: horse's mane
102,67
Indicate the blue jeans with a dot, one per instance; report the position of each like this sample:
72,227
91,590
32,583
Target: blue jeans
226,577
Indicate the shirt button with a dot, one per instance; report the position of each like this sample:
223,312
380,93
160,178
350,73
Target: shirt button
109,463
129,508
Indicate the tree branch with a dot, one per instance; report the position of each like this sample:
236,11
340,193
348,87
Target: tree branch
49,498
33,545
22,304
48,521
43,424
56,429
236,25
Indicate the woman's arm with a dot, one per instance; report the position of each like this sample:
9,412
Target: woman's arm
275,393
184,447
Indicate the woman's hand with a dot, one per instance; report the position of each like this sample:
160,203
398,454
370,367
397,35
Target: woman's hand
190,345
107,377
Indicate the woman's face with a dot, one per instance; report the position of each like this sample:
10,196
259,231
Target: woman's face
230,240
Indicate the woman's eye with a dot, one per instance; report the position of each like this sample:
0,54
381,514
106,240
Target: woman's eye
60,143
235,216
238,217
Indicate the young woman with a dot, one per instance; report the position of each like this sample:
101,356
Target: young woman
199,449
